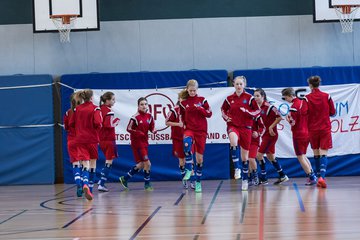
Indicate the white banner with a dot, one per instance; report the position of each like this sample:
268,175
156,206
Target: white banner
345,125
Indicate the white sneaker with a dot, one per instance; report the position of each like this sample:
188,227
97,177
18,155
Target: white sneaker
192,184
102,188
237,173
244,185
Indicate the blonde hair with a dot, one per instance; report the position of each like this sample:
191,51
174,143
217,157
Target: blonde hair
86,94
183,94
240,77
75,100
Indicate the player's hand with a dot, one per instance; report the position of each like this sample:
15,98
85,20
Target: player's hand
255,134
228,119
155,131
181,124
271,131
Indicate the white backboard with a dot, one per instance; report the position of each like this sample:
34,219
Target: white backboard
87,10
324,9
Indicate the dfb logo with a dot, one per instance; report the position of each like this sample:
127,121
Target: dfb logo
159,106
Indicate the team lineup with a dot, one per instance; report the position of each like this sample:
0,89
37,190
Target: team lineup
251,127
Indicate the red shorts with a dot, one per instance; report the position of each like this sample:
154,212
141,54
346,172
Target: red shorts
140,154
178,148
199,138
320,140
73,151
87,151
253,150
268,144
109,149
300,145
244,136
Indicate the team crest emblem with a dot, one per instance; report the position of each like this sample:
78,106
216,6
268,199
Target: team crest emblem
262,112
245,101
148,121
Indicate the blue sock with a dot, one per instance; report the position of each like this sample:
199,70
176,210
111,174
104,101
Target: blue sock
317,165
182,171
105,173
235,156
92,178
278,168
199,167
189,161
245,170
147,176
323,165
262,164
131,173
77,175
85,176
312,175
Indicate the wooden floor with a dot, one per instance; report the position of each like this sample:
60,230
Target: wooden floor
221,211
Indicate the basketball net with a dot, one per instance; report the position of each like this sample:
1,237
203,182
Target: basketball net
64,23
346,15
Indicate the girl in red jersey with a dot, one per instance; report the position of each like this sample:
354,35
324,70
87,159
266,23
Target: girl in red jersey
107,137
238,110
75,100
177,132
297,118
271,118
87,121
194,110
320,108
139,126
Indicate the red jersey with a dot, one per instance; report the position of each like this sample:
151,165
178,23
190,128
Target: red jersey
69,130
139,126
269,114
174,116
107,132
298,118
320,108
241,109
193,112
87,121
259,127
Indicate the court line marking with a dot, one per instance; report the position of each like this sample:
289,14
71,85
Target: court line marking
243,205
13,216
77,218
144,224
302,207
212,202
179,199
262,216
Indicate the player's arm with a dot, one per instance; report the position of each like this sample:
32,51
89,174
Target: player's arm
224,110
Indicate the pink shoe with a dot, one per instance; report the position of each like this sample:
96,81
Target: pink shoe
87,193
321,183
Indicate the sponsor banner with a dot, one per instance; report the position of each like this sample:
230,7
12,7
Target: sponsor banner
345,125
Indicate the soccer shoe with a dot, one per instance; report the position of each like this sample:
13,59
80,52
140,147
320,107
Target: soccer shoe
321,183
237,173
79,192
148,187
244,185
281,180
187,175
192,185
102,188
87,193
198,188
123,182
311,182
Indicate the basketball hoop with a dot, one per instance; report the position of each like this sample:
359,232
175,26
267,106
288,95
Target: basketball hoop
346,15
64,23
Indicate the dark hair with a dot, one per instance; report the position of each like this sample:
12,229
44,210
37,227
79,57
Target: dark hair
314,81
106,96
86,94
141,99
288,92
262,93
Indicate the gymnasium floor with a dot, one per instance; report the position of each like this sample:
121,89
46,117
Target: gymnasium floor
221,211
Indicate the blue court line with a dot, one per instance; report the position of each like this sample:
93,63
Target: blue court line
212,202
179,199
299,197
13,216
77,218
144,224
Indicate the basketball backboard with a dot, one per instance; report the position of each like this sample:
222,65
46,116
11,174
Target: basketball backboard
87,11
324,9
